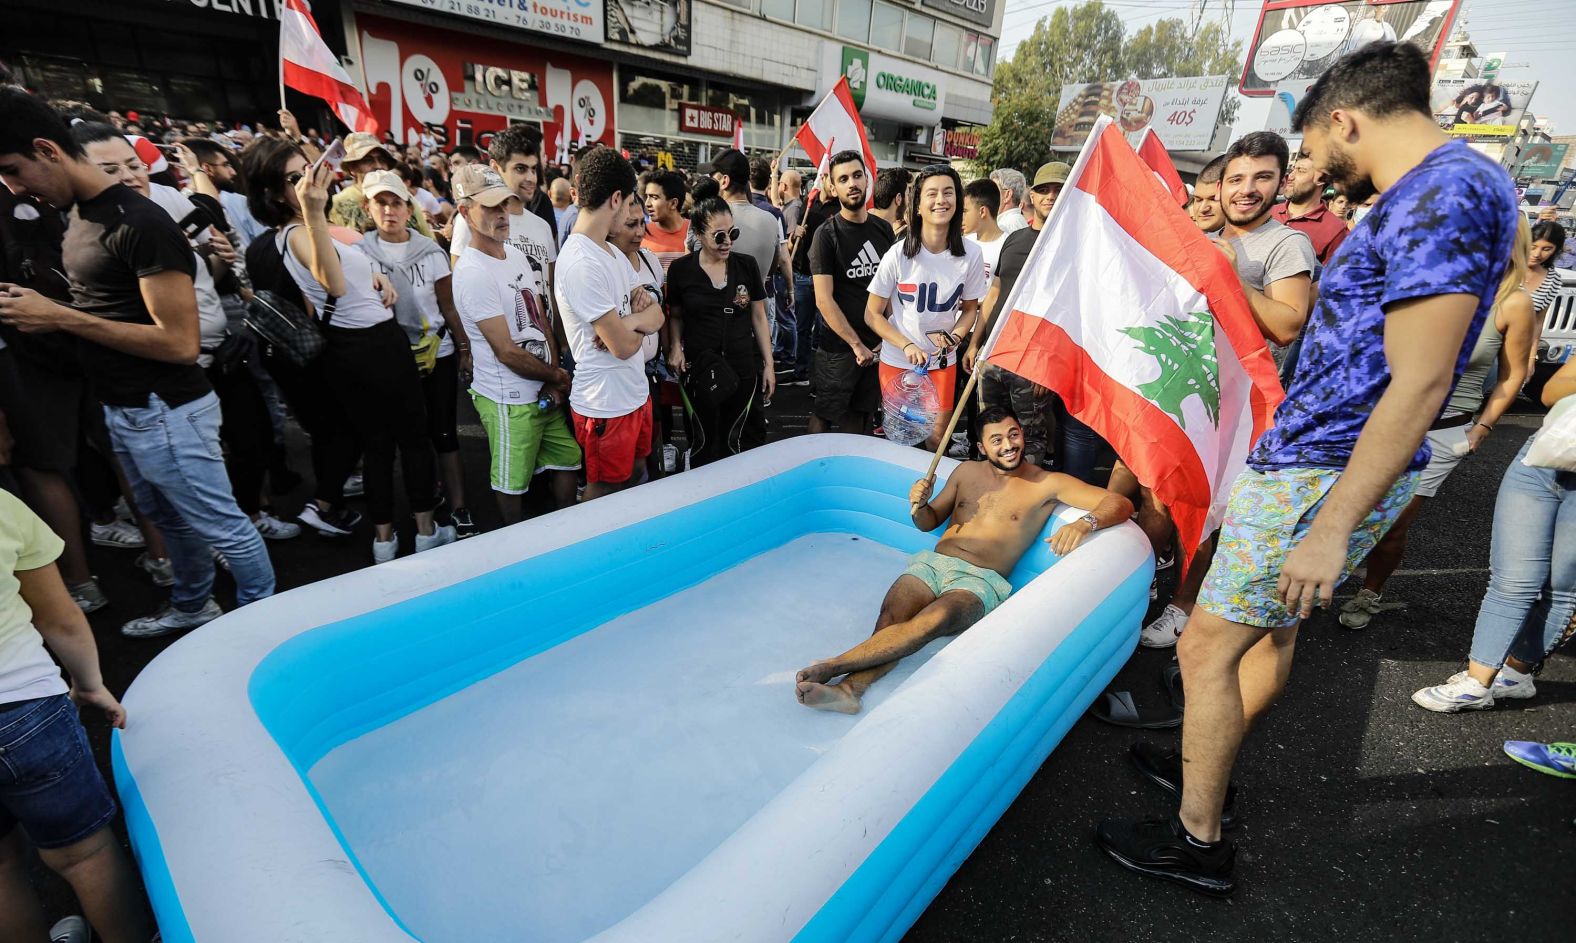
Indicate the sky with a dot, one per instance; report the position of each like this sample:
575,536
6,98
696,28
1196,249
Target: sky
1538,38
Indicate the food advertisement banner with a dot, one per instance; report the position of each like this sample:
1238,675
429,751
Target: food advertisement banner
1181,111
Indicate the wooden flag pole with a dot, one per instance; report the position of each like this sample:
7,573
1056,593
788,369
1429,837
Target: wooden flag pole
952,423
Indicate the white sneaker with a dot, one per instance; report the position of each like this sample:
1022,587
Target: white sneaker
272,528
1459,693
88,596
170,619
159,569
355,486
119,534
440,535
1165,630
384,550
1512,685
70,930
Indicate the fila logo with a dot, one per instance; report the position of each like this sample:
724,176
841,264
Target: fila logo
865,263
925,297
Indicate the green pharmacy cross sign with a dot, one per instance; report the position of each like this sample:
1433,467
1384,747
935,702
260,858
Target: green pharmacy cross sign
921,93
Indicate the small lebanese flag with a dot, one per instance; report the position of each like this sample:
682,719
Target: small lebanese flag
1126,310
1154,154
821,170
307,66
738,133
836,119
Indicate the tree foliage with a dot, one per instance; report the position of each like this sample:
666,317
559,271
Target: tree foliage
1087,43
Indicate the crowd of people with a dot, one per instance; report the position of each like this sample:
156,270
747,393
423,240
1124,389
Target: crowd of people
175,300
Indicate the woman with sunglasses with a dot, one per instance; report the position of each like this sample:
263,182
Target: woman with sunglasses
932,280
367,360
717,336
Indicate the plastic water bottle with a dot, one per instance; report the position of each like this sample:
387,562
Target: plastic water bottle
911,406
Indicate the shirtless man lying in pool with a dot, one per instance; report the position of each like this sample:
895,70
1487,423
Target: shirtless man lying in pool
997,507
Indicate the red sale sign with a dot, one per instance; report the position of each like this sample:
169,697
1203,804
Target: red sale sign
463,87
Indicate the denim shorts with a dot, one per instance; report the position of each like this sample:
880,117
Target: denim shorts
49,783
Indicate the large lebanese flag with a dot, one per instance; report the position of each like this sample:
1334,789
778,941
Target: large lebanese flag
307,65
1126,310
835,121
1154,153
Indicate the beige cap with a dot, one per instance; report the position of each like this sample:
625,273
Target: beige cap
482,184
384,181
1054,172
361,143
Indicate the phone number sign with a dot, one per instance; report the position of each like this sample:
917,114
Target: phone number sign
568,19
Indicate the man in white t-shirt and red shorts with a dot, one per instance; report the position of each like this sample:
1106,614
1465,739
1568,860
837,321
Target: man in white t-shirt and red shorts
606,316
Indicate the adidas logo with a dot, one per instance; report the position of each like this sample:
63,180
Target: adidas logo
865,263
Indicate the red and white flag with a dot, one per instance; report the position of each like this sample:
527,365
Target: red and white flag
1126,310
1154,154
738,133
836,119
821,170
307,66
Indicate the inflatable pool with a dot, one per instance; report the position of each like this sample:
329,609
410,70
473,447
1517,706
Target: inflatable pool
583,727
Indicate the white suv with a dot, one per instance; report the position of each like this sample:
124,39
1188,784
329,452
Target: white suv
1557,342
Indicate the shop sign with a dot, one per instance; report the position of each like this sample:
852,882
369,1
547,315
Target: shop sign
464,87
963,143
884,87
256,9
567,19
1181,111
704,119
982,12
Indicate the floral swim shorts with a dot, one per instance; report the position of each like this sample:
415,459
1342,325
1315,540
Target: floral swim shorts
943,574
1268,514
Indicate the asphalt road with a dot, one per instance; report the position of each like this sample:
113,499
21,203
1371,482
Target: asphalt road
1364,816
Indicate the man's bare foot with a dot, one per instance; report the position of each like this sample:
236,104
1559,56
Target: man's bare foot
827,697
819,672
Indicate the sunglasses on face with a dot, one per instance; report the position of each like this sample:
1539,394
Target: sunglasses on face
725,235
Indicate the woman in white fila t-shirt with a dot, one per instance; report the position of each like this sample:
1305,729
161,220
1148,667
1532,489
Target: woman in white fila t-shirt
932,282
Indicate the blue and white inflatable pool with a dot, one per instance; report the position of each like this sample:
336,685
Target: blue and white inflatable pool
583,727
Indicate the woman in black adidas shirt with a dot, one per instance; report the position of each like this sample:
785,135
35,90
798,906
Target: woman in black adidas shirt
717,336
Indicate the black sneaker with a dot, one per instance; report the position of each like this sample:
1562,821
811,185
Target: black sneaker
463,525
329,523
1164,769
1162,848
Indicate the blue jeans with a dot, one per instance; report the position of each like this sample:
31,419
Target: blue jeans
48,781
176,469
1532,589
1077,446
804,309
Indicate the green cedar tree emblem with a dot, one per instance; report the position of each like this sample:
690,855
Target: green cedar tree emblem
1185,349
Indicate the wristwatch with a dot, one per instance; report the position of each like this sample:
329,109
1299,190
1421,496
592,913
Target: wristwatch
1092,521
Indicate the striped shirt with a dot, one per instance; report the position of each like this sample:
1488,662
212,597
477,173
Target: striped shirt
1546,293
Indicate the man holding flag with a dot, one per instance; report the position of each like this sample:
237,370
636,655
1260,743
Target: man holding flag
1393,326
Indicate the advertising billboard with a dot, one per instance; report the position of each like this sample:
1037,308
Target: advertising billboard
1181,111
464,87
1542,161
566,19
1297,40
1475,108
663,25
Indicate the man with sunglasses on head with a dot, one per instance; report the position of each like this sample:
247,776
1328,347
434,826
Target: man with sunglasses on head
844,256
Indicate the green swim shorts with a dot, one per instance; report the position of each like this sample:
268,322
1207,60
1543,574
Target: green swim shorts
942,574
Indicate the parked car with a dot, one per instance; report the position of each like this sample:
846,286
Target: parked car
1557,342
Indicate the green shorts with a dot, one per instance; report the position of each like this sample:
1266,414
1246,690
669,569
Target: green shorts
1268,515
525,439
943,574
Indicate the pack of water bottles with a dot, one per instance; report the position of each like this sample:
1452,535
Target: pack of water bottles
911,407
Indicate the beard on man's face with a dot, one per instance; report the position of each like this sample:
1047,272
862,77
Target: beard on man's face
1341,171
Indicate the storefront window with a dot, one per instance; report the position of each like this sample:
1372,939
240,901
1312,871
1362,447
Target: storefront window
816,14
649,101
917,37
777,9
761,110
983,56
886,26
853,19
949,42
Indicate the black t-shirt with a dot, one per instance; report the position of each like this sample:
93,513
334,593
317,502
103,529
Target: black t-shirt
111,241
818,213
850,253
1014,252
717,319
